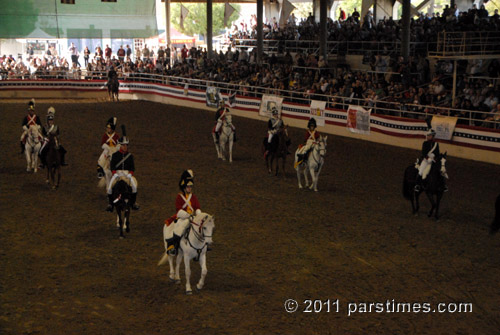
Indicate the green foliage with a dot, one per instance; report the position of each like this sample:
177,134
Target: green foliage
196,20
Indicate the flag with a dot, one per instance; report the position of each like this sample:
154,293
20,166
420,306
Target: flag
286,9
228,11
184,14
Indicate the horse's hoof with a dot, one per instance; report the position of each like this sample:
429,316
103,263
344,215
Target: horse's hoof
315,190
127,230
47,181
199,288
177,281
300,186
189,292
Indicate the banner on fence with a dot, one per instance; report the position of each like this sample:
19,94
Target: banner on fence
444,126
318,112
358,119
213,96
269,102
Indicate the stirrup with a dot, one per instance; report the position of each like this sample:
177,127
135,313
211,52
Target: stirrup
417,188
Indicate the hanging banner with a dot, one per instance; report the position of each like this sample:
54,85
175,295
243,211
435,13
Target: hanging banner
444,126
212,96
358,119
186,90
318,112
184,14
228,11
231,99
268,103
286,9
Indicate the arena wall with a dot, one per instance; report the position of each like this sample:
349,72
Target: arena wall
467,142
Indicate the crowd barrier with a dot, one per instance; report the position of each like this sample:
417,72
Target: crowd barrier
468,142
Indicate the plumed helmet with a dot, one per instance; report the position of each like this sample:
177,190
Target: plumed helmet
222,103
187,179
31,103
312,122
112,123
124,138
431,132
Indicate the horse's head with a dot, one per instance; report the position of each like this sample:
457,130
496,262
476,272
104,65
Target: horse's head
204,224
228,119
321,146
34,133
442,159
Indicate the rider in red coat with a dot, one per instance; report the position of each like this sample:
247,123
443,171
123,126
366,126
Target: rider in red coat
311,136
186,205
29,120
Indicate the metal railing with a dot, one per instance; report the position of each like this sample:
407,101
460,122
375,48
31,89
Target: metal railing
336,48
470,43
394,108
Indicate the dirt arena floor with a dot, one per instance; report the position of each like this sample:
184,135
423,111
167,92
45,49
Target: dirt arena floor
65,271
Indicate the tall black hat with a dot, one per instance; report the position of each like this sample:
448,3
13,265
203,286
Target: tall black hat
312,122
187,179
112,122
124,138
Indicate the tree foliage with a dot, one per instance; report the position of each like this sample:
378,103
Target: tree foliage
196,20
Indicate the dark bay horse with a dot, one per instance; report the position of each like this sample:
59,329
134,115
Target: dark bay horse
495,225
53,159
278,148
433,186
122,194
113,86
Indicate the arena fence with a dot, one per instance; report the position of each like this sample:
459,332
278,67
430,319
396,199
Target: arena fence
388,125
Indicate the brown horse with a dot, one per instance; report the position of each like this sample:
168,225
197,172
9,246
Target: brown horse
53,163
278,148
113,88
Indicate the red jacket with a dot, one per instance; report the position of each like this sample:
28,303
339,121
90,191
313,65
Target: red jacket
110,140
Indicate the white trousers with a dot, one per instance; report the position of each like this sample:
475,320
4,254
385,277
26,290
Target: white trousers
119,174
425,167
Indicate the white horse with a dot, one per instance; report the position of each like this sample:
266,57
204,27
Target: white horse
104,162
32,147
313,164
226,137
193,245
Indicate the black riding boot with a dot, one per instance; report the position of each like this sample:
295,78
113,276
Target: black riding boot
43,159
234,137
133,198
100,172
110,203
418,183
22,146
173,244
62,152
217,135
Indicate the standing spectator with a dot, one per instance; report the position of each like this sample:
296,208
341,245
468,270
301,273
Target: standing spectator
184,53
98,53
107,52
161,55
86,56
355,15
342,15
168,53
121,54
74,54
145,53
129,51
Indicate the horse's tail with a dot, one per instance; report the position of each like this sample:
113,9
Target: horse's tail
495,225
101,183
163,260
408,183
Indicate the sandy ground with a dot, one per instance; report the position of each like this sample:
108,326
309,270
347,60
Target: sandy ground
64,270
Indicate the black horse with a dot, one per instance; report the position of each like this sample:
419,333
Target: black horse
278,148
53,159
113,85
495,225
122,193
433,186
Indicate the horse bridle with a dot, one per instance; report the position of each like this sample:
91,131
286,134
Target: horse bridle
200,236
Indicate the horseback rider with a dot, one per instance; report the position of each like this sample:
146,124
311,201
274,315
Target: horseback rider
122,165
220,116
311,137
430,150
273,126
109,141
29,120
112,75
186,205
51,129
